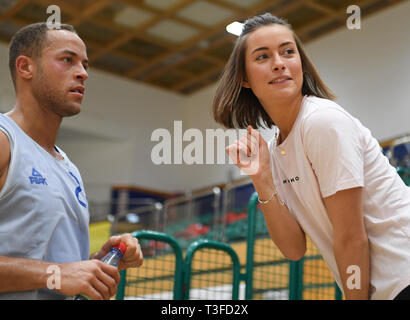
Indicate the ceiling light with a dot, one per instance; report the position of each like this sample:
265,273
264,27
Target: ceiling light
235,28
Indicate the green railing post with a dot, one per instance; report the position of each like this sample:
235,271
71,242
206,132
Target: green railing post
179,263
210,244
404,174
250,240
296,280
338,292
121,286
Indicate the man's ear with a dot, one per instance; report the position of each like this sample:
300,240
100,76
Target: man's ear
25,67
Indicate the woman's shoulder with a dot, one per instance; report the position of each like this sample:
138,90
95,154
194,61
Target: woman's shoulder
320,108
324,113
319,104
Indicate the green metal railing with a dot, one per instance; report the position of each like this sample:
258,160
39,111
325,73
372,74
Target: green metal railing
404,173
212,269
162,270
222,269
307,278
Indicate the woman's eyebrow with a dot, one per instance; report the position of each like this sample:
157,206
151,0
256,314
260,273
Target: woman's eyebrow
286,43
260,49
266,48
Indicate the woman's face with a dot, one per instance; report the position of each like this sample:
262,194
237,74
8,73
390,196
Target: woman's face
273,65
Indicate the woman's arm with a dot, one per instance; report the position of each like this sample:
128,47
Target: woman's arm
350,242
251,154
283,228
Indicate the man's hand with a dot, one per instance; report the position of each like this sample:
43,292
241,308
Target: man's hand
132,258
93,278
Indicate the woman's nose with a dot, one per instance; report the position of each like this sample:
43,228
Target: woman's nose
278,64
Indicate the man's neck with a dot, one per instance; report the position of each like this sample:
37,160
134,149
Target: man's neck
38,123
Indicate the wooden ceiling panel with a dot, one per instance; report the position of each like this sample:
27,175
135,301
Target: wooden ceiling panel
6,5
81,4
303,15
214,13
114,63
221,52
370,7
162,4
95,33
196,66
193,87
142,49
178,45
325,27
242,3
122,15
168,79
336,4
172,31
33,12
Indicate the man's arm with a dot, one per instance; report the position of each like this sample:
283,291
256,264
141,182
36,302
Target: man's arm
92,278
18,274
4,157
350,242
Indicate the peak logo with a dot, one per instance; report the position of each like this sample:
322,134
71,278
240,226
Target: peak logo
37,178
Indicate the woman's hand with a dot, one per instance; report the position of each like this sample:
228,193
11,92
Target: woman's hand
251,154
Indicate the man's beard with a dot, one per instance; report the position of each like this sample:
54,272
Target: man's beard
52,99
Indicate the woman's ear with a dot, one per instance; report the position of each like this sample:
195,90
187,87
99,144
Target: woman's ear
24,67
245,84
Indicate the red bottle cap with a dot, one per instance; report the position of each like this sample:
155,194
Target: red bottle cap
122,247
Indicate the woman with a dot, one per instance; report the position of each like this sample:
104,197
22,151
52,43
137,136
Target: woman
323,173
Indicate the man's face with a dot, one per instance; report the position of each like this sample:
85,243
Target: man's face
61,71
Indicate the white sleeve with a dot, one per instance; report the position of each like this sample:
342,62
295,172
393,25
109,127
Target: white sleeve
333,144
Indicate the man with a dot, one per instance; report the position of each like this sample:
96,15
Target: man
43,208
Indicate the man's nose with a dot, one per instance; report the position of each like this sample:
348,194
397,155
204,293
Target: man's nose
82,74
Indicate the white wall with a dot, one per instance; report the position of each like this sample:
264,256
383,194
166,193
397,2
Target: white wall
369,70
110,141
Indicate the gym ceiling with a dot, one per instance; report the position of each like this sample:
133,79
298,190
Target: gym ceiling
177,45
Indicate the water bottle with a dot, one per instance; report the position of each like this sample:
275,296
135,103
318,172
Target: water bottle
112,258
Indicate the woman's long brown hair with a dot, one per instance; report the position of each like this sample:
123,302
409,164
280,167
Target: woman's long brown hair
235,106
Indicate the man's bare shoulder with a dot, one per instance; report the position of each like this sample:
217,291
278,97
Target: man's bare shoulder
4,157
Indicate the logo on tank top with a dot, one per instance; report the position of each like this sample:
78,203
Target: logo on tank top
37,178
78,191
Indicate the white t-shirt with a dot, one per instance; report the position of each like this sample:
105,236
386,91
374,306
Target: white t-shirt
326,151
